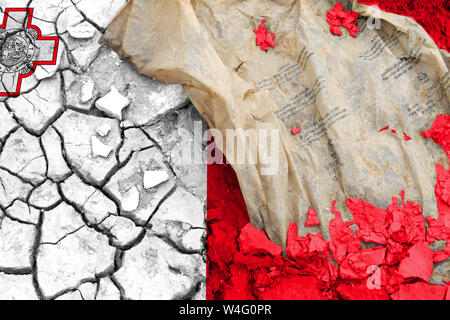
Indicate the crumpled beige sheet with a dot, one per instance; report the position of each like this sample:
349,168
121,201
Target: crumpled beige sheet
340,90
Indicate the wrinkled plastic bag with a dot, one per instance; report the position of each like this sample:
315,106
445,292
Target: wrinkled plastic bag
340,90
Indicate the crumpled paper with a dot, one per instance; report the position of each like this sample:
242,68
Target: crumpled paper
340,90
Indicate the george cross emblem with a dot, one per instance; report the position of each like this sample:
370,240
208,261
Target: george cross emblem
22,49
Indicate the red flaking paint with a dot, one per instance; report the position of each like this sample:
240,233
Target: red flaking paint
312,219
264,39
383,129
338,17
343,240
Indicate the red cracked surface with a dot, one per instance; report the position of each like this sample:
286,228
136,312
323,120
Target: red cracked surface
264,39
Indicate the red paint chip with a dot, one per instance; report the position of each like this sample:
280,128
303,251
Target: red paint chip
343,241
418,263
255,242
406,137
372,222
296,131
312,219
264,39
338,17
357,265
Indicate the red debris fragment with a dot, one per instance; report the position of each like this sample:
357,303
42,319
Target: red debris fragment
418,263
393,280
408,224
439,229
372,222
294,288
255,242
338,17
357,265
440,132
395,252
295,131
318,244
264,39
406,137
343,241
360,291
312,219
442,255
420,291
301,247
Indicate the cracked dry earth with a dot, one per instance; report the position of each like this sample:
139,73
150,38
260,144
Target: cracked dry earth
93,202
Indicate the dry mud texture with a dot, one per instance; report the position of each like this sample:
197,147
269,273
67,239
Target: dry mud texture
94,203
